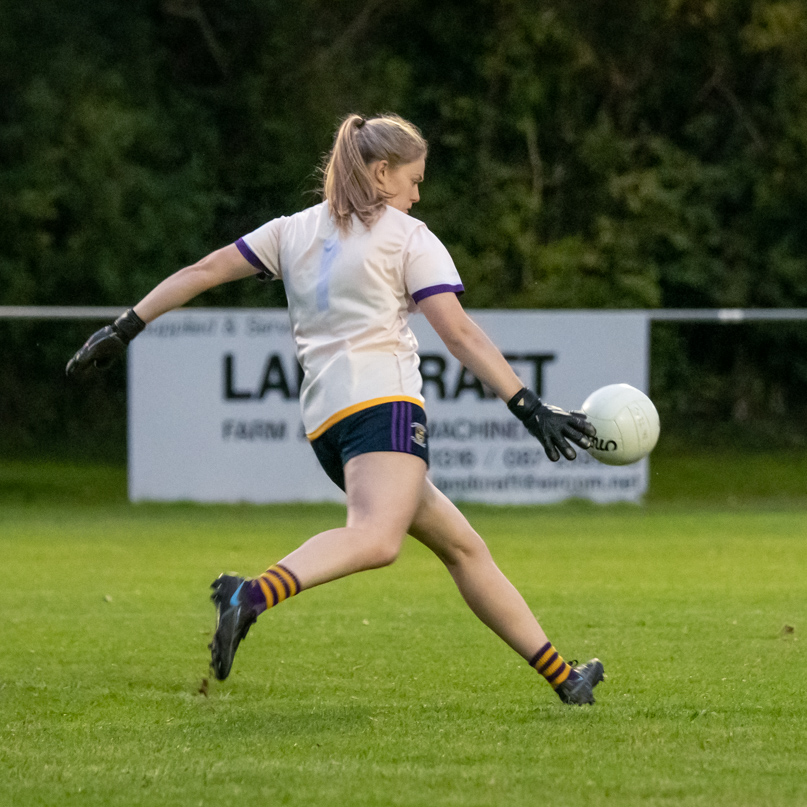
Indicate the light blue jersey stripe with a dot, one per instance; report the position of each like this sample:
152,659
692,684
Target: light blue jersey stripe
330,252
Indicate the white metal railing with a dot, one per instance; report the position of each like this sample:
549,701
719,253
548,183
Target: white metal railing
727,315
724,315
59,312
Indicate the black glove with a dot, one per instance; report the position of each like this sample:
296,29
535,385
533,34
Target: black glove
551,425
106,346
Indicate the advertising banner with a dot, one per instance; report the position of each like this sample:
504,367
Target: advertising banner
214,412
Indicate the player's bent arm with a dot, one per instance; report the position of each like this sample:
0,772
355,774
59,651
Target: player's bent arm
109,344
553,427
218,267
469,344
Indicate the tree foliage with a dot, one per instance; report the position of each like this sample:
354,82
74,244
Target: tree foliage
582,154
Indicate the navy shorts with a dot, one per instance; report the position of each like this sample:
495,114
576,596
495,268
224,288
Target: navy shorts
396,426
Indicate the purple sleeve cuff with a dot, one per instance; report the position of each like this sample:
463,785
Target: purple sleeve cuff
441,289
244,249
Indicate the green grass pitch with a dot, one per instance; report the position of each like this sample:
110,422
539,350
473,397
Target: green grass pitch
383,689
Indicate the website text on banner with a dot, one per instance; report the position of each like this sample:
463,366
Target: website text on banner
214,413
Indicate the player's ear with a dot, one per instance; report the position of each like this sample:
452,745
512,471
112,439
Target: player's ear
380,170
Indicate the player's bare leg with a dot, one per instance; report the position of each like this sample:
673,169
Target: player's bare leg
383,492
439,525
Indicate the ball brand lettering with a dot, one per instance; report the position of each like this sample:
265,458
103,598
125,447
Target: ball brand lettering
604,445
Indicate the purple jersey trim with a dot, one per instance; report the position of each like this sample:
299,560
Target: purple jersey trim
244,249
443,287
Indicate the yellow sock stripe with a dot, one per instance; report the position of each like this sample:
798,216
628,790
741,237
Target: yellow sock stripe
549,663
267,592
556,665
562,677
275,588
291,580
543,660
279,583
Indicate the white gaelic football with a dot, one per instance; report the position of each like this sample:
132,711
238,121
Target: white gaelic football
626,422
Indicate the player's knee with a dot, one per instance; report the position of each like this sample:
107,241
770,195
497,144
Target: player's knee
384,552
379,547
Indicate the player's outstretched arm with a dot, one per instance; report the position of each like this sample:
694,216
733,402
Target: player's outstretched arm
109,344
468,343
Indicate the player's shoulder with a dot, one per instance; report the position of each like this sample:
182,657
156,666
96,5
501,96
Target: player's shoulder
315,213
405,231
397,219
306,223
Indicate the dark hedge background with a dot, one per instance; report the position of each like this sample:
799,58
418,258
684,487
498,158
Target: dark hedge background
583,154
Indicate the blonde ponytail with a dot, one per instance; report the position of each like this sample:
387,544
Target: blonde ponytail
348,184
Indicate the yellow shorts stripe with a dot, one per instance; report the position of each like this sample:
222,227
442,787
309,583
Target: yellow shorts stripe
351,410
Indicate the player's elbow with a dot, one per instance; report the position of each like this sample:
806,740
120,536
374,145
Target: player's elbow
206,272
195,279
461,339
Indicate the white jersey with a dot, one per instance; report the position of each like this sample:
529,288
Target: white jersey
350,296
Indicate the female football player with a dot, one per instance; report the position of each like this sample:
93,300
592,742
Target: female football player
354,267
